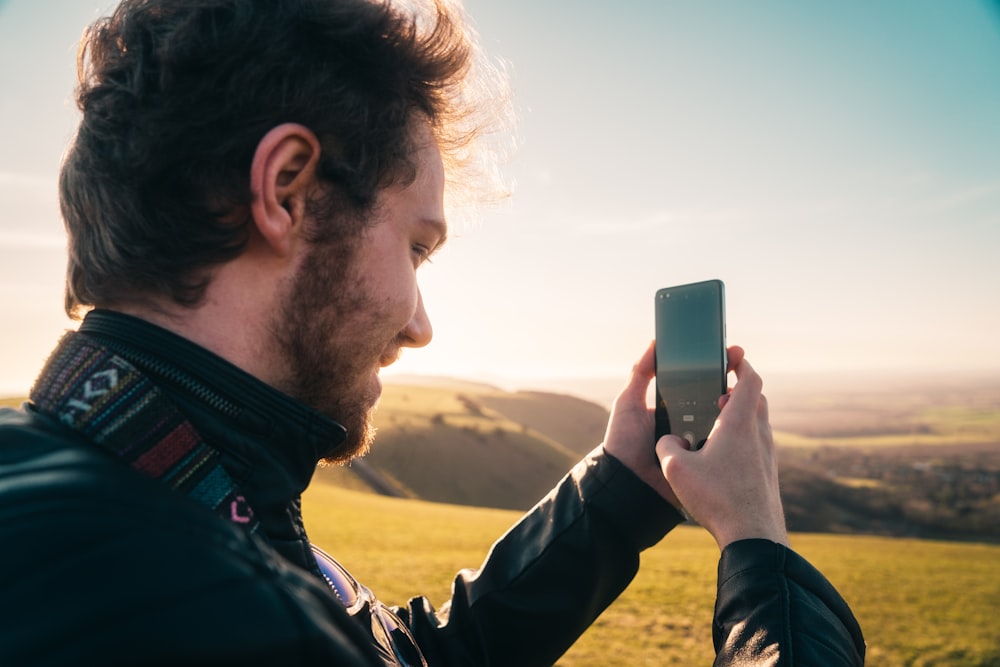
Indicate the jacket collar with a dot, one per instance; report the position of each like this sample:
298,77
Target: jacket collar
270,442
103,397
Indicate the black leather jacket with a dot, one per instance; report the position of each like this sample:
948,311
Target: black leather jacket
101,565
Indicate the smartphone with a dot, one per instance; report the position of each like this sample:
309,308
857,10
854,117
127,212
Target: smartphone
690,359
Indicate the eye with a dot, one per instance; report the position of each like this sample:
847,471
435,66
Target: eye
422,253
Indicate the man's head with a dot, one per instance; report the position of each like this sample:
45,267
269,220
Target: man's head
284,159
177,95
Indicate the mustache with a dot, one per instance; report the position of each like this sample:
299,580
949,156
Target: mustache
395,351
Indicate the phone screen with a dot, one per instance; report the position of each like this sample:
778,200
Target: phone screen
690,359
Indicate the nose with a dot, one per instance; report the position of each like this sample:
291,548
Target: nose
418,331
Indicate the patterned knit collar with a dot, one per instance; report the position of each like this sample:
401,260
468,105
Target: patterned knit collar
105,398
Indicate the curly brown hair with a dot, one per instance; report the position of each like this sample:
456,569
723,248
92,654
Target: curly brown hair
176,95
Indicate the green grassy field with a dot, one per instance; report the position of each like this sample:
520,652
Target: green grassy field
920,603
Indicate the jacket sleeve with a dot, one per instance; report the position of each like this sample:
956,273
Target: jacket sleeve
774,608
546,580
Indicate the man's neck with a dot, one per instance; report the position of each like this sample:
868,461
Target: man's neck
225,324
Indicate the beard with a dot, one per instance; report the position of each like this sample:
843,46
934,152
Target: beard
321,331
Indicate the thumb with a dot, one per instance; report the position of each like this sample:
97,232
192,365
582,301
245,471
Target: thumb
671,450
669,446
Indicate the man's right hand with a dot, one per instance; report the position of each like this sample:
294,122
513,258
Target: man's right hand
730,485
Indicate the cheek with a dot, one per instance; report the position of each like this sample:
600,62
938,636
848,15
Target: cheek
398,298
395,311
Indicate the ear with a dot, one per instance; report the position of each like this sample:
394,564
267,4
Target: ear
282,174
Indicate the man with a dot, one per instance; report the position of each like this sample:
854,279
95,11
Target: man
251,192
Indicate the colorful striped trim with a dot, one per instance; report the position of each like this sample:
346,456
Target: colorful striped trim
97,393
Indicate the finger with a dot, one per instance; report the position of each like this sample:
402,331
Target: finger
647,363
734,356
745,397
675,441
763,409
669,446
642,372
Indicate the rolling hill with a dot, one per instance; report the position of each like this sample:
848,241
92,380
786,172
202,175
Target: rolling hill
878,465
473,446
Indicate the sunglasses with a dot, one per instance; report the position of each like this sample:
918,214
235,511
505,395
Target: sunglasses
391,637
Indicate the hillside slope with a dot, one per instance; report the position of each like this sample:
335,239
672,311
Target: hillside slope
474,445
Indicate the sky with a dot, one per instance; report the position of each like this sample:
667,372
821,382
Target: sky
837,165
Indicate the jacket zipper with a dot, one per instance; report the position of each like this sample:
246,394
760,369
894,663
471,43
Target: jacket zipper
166,371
